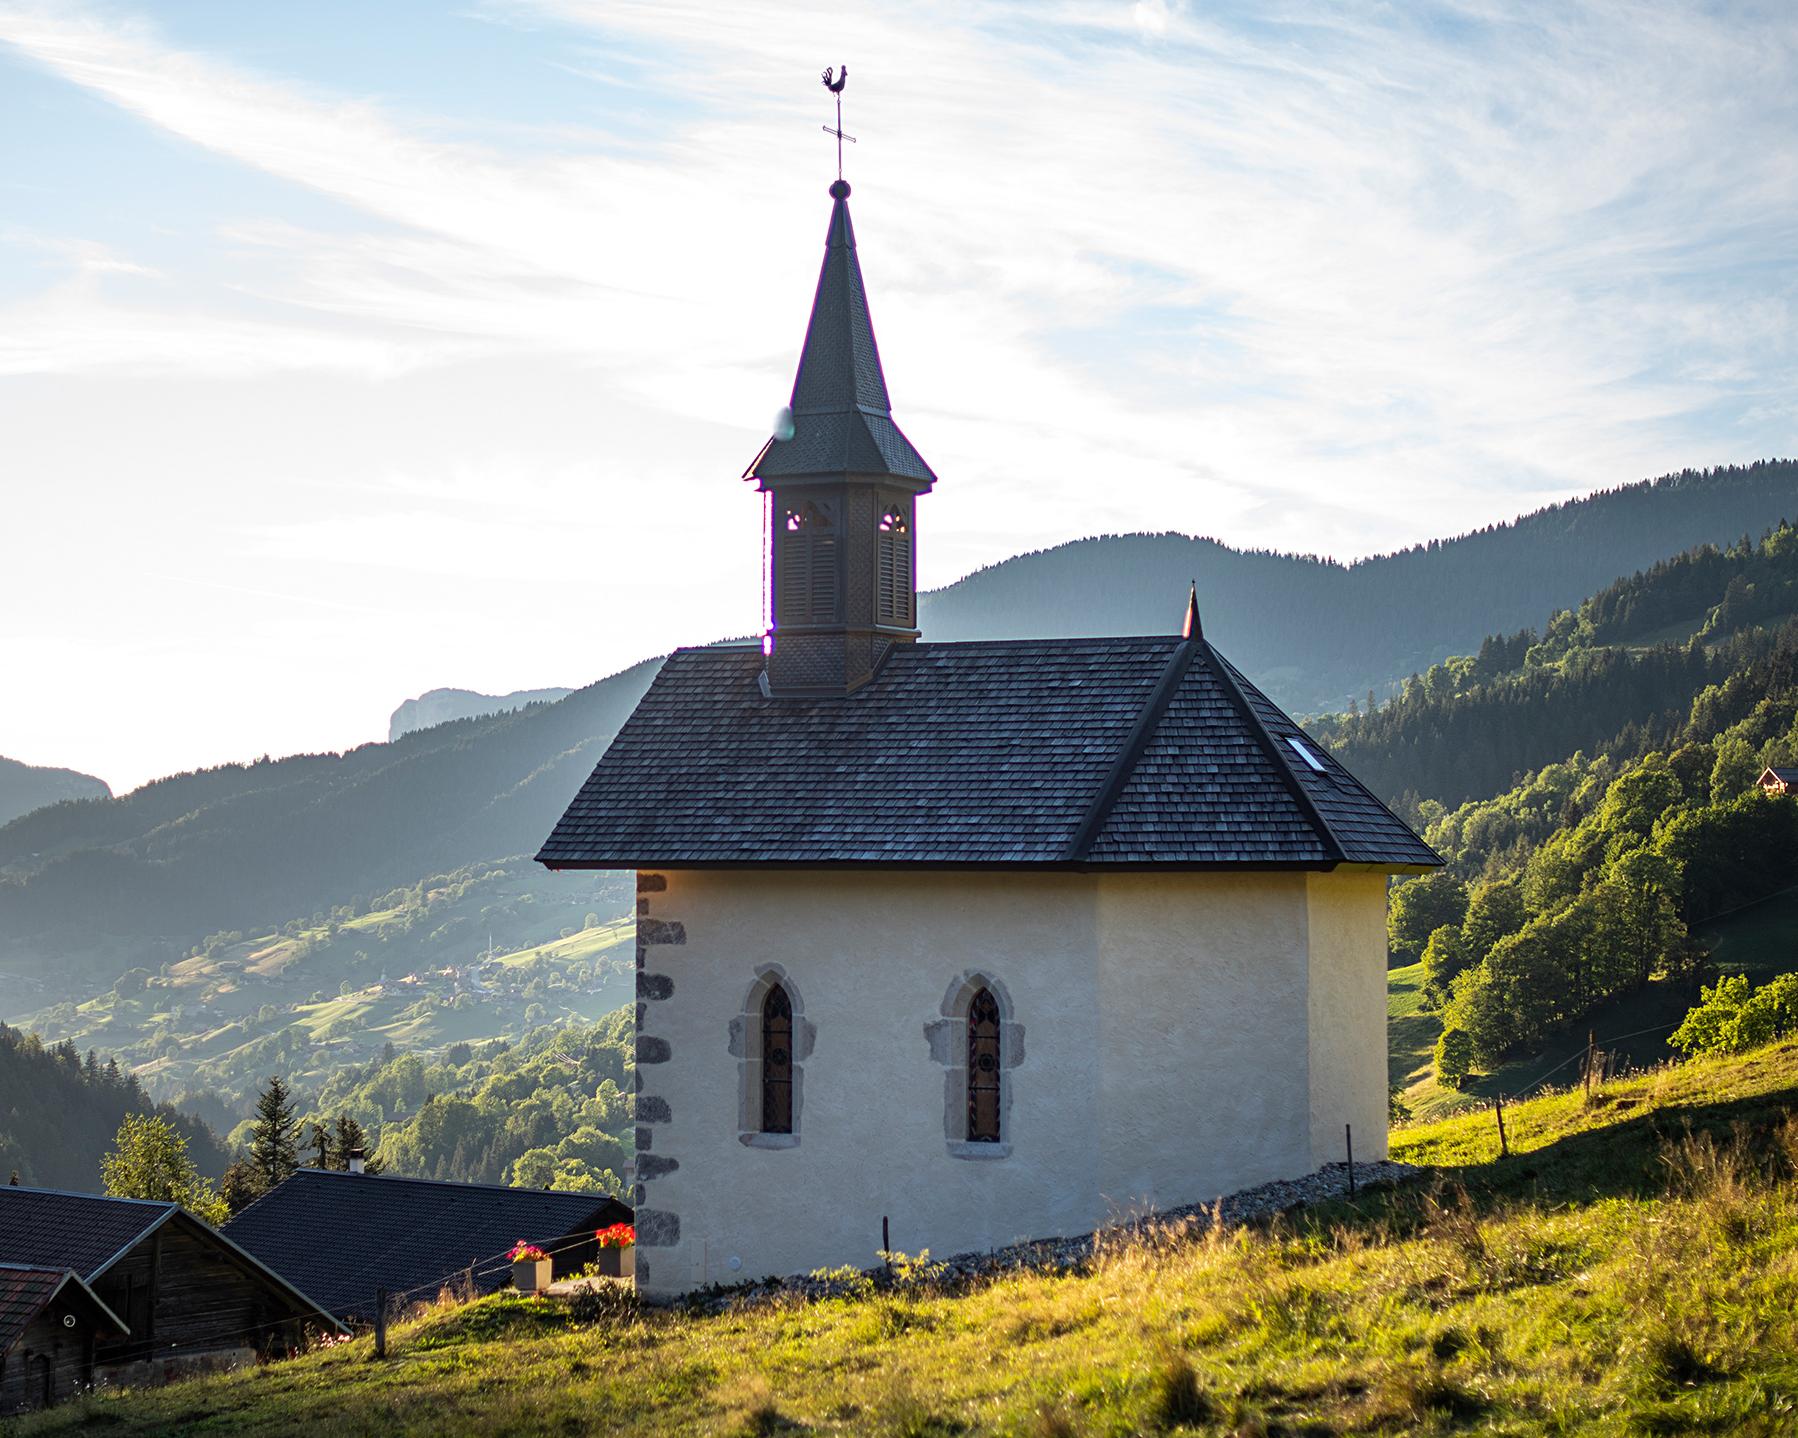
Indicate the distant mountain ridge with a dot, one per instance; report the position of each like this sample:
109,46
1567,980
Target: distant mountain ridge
440,706
24,787
91,889
1314,633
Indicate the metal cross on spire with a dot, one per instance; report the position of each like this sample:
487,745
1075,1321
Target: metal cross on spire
835,86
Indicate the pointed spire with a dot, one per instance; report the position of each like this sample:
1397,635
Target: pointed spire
841,418
1193,629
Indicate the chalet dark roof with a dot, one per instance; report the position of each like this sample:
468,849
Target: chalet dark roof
1781,773
403,1234
842,419
88,1232
26,1292
1078,753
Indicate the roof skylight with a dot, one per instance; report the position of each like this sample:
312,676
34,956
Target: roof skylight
1307,753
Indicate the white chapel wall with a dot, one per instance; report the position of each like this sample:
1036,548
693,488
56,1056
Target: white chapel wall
1347,921
1173,1048
872,956
1202,984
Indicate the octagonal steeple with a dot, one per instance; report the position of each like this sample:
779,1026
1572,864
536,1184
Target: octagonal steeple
842,481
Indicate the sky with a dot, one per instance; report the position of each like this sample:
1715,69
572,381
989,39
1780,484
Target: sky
350,350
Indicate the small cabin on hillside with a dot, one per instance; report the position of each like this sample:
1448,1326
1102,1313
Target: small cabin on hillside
412,1236
1778,780
50,1326
189,1298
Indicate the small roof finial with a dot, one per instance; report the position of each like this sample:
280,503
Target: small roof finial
835,77
1193,629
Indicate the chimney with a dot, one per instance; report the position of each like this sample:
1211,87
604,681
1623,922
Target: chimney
357,1158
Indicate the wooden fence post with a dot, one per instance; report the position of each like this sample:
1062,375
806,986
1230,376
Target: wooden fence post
1348,1136
380,1323
1591,1044
1498,1107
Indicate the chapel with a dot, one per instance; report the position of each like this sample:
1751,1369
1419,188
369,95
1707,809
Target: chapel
946,946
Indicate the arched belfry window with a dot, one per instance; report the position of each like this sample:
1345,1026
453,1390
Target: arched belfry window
806,565
777,1061
984,1062
893,576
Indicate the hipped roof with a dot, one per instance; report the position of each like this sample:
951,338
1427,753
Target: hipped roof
1065,753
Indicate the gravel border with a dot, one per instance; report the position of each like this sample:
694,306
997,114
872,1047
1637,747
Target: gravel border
1068,1255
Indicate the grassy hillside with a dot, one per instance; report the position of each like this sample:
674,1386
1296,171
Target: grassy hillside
1760,940
1628,1270
474,954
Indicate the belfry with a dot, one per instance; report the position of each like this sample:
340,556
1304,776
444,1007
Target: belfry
842,485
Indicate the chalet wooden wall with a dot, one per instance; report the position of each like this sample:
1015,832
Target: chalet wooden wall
184,1295
49,1363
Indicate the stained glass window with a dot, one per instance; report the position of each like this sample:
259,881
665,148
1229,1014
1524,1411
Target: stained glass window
777,1062
983,1068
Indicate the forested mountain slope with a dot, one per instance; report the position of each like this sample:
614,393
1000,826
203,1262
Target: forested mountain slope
1471,726
59,1113
135,881
24,787
91,889
1314,633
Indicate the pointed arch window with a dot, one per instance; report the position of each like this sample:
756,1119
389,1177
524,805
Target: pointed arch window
892,570
983,1068
777,1061
807,563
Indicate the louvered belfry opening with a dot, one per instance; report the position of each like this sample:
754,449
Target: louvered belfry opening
893,582
983,1068
777,1062
805,565
843,481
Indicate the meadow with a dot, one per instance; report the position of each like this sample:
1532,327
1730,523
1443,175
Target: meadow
1630,1267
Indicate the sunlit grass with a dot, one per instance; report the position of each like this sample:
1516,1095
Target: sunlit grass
1632,1268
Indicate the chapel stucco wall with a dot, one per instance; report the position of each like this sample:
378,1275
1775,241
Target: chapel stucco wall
1163,1022
1202,996
1347,924
873,956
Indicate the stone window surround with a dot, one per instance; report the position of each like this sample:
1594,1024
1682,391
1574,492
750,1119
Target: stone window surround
746,1048
948,1040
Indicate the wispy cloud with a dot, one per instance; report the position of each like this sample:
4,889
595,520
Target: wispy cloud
1323,277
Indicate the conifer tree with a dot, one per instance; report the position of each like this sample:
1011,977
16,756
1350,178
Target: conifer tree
274,1142
349,1137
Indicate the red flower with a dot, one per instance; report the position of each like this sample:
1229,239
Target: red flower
619,1235
523,1252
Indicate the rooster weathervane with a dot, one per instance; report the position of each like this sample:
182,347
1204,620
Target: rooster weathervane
834,79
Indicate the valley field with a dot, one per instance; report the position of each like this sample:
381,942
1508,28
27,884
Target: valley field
1632,1267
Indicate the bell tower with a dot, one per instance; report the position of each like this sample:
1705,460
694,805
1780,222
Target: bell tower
842,483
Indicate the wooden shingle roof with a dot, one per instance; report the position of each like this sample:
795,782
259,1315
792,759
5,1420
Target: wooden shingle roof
1072,753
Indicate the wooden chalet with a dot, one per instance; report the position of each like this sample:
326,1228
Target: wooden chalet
50,1326
1778,780
185,1295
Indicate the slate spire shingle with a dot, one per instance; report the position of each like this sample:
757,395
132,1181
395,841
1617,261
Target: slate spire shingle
842,418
